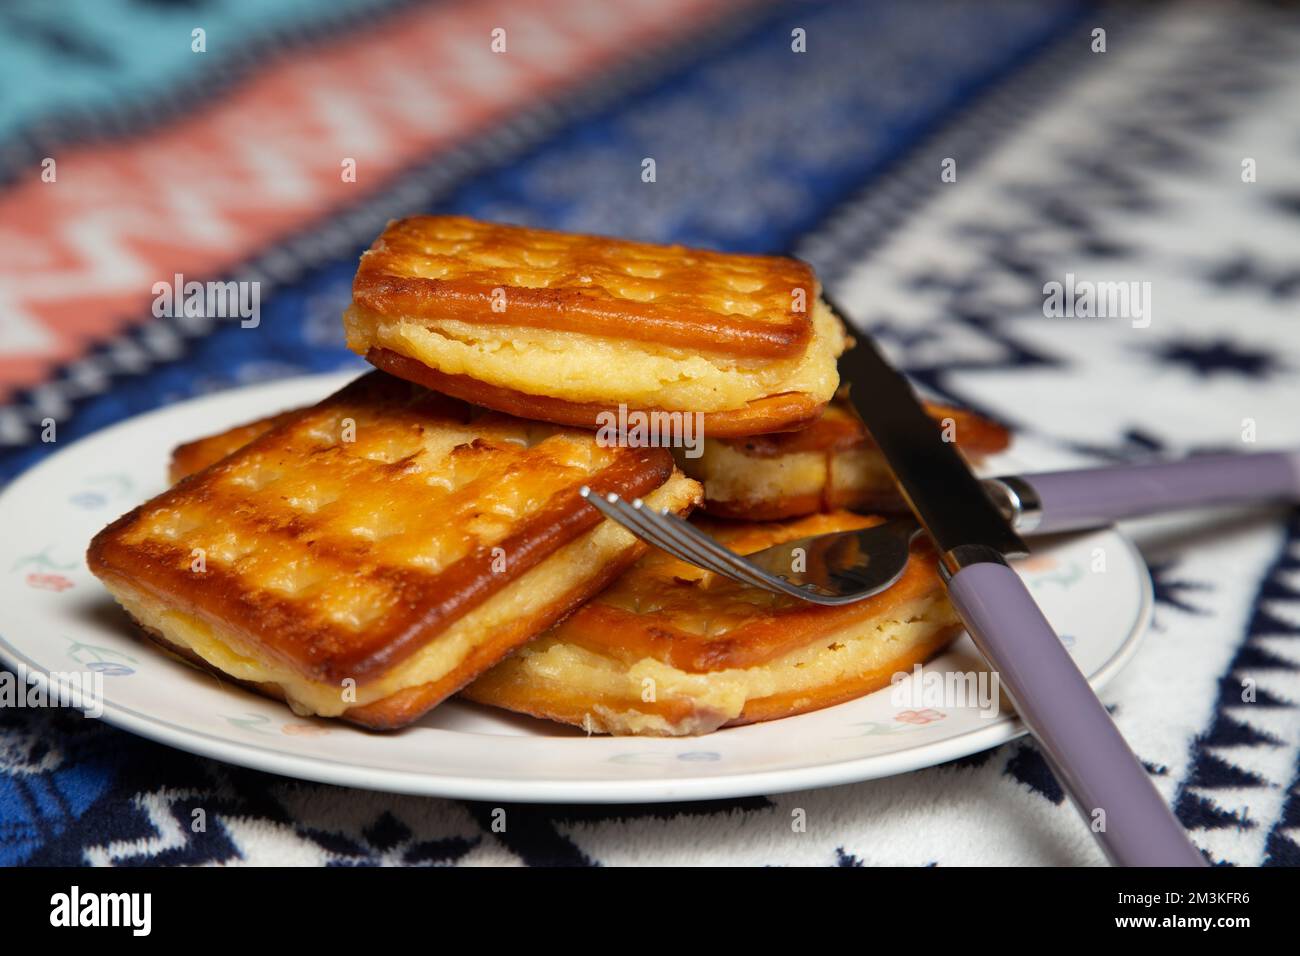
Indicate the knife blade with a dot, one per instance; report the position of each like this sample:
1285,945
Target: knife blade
1106,782
947,499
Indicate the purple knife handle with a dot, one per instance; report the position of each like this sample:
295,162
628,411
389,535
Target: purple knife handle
1070,500
1081,742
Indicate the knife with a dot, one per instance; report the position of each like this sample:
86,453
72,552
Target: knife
1105,780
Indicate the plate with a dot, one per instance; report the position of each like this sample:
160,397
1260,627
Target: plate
56,617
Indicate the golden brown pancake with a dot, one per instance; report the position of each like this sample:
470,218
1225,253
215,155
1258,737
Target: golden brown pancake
562,327
367,557
831,464
669,649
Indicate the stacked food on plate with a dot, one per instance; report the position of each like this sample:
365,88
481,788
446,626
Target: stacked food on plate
421,533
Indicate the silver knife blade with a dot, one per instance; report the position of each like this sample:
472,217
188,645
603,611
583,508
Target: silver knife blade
936,482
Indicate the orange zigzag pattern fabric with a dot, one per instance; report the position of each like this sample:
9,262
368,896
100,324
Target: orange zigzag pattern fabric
79,256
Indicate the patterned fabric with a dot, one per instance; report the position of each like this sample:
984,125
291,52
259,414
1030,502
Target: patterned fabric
1122,165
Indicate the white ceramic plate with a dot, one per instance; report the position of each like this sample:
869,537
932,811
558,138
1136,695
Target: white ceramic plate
54,616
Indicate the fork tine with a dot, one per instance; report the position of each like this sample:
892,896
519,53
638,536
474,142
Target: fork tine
686,548
686,537
637,521
619,511
614,509
688,533
640,521
739,568
674,535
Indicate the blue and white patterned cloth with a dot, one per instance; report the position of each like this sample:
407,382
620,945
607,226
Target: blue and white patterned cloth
1124,164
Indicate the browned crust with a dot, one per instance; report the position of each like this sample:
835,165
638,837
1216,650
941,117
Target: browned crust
838,433
408,705
788,410
840,429
837,428
563,705
696,298
198,454
776,706
868,500
628,636
430,602
769,509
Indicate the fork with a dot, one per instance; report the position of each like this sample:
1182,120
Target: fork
848,566
830,569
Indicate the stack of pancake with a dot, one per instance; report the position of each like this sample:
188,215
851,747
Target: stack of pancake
420,533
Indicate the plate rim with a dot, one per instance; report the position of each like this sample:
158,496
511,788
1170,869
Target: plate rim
717,785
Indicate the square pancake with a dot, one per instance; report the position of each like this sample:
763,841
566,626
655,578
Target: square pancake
367,557
670,649
560,327
831,464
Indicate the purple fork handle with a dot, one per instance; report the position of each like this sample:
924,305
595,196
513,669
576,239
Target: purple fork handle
1070,500
1108,785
